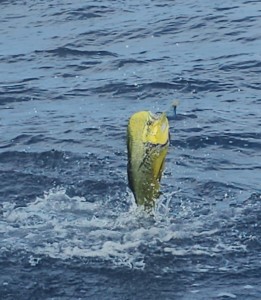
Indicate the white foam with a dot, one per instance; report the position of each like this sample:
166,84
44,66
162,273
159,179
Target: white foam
227,295
64,227
248,287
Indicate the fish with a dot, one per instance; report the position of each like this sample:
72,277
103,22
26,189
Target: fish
147,146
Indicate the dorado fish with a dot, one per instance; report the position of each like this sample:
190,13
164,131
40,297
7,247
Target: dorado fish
147,143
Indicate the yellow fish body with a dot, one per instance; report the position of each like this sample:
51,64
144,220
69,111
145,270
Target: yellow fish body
147,143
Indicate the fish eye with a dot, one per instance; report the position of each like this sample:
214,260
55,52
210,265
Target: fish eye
149,122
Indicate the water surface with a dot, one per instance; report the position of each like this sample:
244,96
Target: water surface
71,76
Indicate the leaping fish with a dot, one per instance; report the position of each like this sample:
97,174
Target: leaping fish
147,143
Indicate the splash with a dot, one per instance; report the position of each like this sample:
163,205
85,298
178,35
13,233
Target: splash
63,227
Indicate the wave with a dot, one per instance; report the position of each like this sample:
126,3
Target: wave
229,141
66,51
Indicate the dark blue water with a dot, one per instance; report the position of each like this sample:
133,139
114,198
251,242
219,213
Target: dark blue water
72,73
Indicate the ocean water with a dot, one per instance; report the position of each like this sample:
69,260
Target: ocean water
72,73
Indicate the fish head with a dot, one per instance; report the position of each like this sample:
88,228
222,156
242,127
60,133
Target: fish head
156,129
148,128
